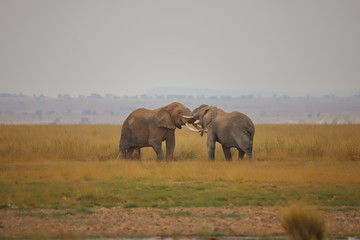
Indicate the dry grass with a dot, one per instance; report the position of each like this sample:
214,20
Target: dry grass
69,153
315,142
303,222
68,142
312,173
78,159
100,142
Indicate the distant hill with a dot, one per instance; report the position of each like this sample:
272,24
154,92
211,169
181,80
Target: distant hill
192,92
214,92
109,109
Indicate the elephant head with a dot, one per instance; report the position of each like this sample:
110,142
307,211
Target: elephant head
173,116
204,114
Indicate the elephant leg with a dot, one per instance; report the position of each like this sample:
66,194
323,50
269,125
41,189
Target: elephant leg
211,147
120,156
241,154
249,154
250,150
137,154
158,150
122,153
129,153
227,153
170,145
245,146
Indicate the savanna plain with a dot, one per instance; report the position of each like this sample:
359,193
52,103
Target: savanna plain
63,181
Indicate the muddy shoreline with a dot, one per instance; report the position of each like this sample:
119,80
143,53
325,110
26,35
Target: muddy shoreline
194,221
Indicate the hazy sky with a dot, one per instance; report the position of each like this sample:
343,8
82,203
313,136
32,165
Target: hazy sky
129,47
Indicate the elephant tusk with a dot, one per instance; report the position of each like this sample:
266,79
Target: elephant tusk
192,127
188,117
195,128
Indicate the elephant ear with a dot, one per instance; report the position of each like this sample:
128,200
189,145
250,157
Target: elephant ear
207,116
163,119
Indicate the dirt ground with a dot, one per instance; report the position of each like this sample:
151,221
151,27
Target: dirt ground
117,222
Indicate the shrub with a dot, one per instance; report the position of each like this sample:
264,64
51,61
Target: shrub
303,222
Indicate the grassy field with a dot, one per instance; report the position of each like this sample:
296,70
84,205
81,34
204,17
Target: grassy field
74,167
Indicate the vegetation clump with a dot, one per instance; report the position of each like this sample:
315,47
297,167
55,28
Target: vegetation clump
303,222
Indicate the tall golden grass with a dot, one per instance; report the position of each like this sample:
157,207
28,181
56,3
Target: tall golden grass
67,142
100,142
283,153
81,160
309,174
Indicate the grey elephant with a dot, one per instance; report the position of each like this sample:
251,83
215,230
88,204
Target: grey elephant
231,130
149,128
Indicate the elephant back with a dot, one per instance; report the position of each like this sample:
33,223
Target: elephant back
242,122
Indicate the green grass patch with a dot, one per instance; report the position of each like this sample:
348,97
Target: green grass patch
131,194
131,205
178,214
211,235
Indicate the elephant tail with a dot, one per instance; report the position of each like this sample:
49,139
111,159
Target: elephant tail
124,138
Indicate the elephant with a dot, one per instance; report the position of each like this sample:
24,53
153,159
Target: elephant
149,128
231,130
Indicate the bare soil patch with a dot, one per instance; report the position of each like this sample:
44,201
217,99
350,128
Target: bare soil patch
117,222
